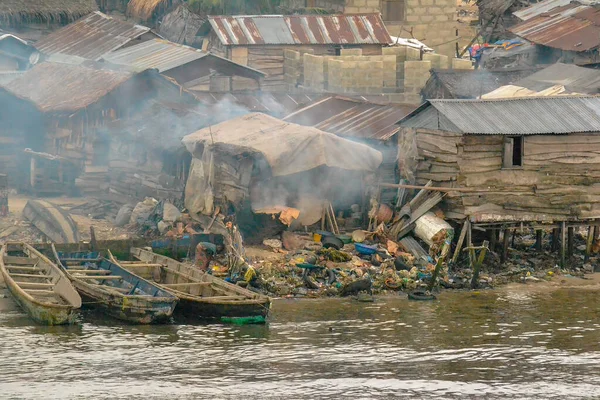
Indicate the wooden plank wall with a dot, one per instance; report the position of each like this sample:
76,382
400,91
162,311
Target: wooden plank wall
559,179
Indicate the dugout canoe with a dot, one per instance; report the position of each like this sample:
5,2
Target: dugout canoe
38,285
201,295
116,291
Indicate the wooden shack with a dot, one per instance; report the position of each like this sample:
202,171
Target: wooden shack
62,109
259,41
511,160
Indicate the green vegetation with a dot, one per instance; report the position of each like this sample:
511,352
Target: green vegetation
233,7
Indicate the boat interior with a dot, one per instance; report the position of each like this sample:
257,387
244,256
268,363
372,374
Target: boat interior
101,272
36,276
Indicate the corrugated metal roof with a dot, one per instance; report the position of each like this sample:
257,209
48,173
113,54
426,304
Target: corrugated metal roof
572,27
164,56
272,103
91,37
573,78
58,87
160,54
301,29
539,8
351,118
524,116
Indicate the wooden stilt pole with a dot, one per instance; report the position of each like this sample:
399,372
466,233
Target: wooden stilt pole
504,254
563,244
570,232
538,240
470,240
588,244
493,239
512,241
555,239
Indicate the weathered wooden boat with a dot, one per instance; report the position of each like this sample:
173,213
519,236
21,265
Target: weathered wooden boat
116,291
51,220
201,295
38,285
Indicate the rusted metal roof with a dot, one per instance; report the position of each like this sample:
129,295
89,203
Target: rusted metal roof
91,37
301,29
539,8
352,118
58,87
571,27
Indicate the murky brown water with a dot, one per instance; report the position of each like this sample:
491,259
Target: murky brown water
491,345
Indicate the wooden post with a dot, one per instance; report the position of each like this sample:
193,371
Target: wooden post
93,243
554,239
461,239
478,263
563,244
504,254
469,240
512,241
438,266
588,244
538,240
493,239
570,231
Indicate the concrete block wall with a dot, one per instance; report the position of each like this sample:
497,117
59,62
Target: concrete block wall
362,6
431,21
314,73
292,68
416,74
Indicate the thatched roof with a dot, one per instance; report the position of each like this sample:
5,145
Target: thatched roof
144,10
50,11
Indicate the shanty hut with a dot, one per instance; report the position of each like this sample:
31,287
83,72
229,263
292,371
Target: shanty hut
361,121
31,19
192,68
512,160
94,36
260,41
256,165
59,109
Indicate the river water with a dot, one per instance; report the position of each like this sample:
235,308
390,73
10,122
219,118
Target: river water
464,345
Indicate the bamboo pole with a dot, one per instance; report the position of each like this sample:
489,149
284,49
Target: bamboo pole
563,245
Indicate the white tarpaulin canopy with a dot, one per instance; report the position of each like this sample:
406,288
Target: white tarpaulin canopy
288,148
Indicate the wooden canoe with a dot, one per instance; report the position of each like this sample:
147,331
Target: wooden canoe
38,285
201,296
116,291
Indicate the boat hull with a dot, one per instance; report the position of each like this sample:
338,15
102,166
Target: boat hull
42,314
194,308
124,309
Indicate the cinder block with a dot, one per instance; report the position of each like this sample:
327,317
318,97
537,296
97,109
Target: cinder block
426,2
460,63
435,10
427,18
442,18
413,54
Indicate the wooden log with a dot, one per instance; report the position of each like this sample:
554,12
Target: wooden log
493,239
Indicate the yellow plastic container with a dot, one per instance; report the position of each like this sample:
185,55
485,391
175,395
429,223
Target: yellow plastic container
317,237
